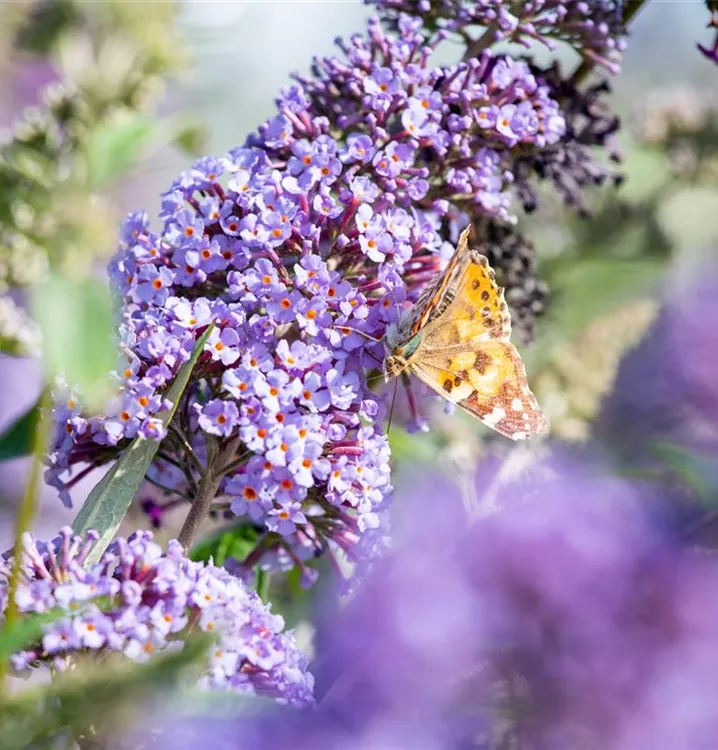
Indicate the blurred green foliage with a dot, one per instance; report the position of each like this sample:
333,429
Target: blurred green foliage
17,439
77,323
109,62
50,715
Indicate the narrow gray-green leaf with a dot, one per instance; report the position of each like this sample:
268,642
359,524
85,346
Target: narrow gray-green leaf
109,500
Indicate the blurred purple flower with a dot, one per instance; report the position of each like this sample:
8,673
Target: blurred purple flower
666,396
564,620
711,52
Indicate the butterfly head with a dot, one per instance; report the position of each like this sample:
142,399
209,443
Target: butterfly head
398,352
394,364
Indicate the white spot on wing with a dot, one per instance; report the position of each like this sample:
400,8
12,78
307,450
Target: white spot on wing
495,416
517,404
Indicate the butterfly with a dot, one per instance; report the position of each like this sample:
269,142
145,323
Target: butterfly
456,340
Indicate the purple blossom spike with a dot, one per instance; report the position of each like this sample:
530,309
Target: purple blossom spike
156,599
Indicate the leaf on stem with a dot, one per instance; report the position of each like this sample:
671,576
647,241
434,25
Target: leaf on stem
109,500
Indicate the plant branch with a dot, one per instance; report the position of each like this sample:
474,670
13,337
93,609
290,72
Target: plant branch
196,463
240,461
211,478
479,45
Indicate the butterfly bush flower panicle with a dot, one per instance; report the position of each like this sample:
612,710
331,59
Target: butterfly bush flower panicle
570,163
137,600
300,247
594,28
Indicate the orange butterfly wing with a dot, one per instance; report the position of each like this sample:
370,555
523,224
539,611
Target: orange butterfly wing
465,353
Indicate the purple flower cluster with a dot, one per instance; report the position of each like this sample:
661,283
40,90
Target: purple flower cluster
139,601
298,247
594,28
433,138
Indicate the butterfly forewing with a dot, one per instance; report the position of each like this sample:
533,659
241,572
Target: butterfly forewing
465,353
437,296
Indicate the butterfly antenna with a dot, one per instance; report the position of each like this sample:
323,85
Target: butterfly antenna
410,396
361,333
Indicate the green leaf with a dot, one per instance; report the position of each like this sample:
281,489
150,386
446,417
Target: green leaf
109,500
78,332
689,219
698,470
235,543
115,146
645,171
26,631
17,440
191,139
412,448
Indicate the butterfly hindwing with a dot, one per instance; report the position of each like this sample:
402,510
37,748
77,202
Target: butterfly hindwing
488,381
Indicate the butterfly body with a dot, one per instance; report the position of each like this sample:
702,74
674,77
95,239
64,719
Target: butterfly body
456,340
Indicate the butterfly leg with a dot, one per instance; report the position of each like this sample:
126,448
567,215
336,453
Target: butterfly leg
417,420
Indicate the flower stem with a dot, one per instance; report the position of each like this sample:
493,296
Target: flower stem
587,66
480,44
208,487
25,514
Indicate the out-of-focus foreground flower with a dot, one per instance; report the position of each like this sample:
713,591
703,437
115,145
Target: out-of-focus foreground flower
564,620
